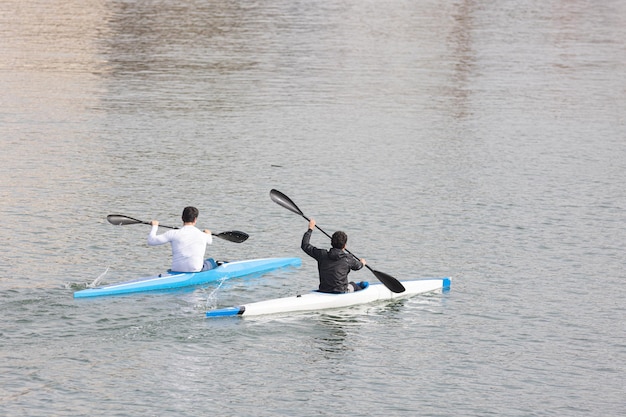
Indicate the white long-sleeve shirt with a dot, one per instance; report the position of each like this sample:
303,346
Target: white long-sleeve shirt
188,246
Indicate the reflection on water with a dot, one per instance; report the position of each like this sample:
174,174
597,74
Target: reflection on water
333,338
333,345
463,55
339,330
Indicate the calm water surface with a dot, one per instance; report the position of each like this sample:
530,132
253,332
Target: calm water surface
484,141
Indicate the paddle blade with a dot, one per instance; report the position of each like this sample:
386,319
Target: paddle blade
388,281
233,236
282,200
119,220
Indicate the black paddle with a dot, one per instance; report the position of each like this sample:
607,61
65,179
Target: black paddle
388,281
232,236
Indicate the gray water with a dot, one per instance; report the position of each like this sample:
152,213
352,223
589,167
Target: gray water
484,141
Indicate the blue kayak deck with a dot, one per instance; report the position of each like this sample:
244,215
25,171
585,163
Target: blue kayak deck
184,279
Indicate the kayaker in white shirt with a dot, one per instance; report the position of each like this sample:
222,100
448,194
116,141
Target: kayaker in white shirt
188,243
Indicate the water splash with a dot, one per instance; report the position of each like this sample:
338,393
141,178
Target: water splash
211,300
97,281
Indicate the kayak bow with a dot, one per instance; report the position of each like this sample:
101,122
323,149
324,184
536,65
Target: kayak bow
184,279
316,300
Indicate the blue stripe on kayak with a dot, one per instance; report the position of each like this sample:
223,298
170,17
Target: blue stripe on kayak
226,312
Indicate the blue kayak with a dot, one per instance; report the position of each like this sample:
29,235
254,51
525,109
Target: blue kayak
171,280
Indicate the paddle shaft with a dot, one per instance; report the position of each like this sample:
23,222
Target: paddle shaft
160,225
163,225
232,236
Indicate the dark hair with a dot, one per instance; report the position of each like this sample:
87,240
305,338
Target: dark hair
190,214
339,240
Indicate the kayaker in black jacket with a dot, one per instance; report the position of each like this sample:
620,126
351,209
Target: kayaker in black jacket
334,264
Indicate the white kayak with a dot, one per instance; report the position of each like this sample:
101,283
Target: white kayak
316,300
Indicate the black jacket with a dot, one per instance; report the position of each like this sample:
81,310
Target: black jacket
333,265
